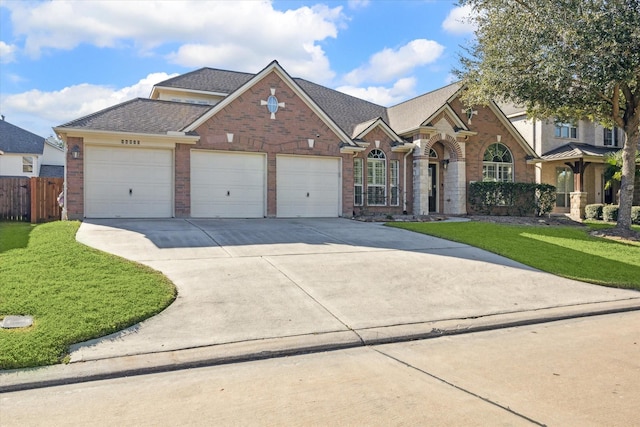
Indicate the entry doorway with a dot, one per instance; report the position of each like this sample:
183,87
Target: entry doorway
433,187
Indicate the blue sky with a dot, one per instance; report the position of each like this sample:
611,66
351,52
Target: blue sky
62,60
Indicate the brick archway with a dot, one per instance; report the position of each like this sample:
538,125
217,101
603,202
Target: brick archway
450,144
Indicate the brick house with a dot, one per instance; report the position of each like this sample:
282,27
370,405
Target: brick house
215,143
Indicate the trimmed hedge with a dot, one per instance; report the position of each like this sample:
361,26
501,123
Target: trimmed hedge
593,211
512,198
610,213
635,214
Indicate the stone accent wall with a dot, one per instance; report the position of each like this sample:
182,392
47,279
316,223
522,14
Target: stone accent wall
421,185
455,201
578,203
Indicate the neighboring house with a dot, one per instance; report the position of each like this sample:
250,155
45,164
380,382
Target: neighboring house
215,143
25,154
573,157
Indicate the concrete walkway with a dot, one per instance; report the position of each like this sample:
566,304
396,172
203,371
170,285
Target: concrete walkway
256,288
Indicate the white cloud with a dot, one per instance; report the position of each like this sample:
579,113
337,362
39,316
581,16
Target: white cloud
39,111
7,52
391,64
458,21
242,35
358,4
401,90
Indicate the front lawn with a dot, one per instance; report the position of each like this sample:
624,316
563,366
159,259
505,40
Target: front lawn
74,293
565,251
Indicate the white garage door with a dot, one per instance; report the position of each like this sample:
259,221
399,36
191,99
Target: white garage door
128,182
308,186
227,185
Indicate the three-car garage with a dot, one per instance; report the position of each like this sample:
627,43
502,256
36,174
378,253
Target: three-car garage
134,182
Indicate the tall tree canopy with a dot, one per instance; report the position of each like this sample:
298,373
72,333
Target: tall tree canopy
568,59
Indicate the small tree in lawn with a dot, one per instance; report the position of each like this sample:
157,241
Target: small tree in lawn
569,59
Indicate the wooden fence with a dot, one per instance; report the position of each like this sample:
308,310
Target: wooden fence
30,199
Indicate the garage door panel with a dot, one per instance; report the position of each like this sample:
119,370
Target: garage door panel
128,182
227,185
308,186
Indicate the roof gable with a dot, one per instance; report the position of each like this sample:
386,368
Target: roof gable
365,128
274,67
14,139
413,113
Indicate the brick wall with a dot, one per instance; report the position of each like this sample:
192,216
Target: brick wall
377,134
254,131
75,180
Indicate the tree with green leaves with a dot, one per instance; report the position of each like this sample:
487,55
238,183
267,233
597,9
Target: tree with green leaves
567,59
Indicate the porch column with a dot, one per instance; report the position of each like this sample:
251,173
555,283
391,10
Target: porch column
455,188
578,169
578,203
421,185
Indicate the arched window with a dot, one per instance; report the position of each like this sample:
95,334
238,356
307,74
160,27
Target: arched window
432,154
376,178
497,164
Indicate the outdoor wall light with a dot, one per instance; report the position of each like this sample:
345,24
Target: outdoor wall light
445,164
75,152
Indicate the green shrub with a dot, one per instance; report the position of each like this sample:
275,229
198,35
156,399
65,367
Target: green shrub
593,211
610,213
511,198
635,214
546,198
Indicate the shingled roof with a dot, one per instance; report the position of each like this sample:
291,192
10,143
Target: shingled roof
577,150
142,115
209,80
412,113
17,140
345,110
153,116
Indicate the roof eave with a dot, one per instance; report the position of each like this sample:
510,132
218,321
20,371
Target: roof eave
182,137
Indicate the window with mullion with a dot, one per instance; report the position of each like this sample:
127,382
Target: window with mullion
611,137
566,130
357,182
376,178
27,164
394,178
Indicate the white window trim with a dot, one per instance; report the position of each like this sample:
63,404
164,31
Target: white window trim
371,172
357,184
28,162
394,182
558,131
500,168
615,140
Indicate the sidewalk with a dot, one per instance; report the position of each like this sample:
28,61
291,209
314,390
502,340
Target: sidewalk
582,372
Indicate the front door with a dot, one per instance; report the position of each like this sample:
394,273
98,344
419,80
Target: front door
433,187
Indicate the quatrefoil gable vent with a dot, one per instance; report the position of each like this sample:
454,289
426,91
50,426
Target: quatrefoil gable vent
272,104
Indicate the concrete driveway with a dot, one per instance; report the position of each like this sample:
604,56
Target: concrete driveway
270,285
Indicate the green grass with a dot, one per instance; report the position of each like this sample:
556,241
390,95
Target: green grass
565,251
75,293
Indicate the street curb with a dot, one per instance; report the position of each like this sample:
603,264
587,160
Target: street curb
245,351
